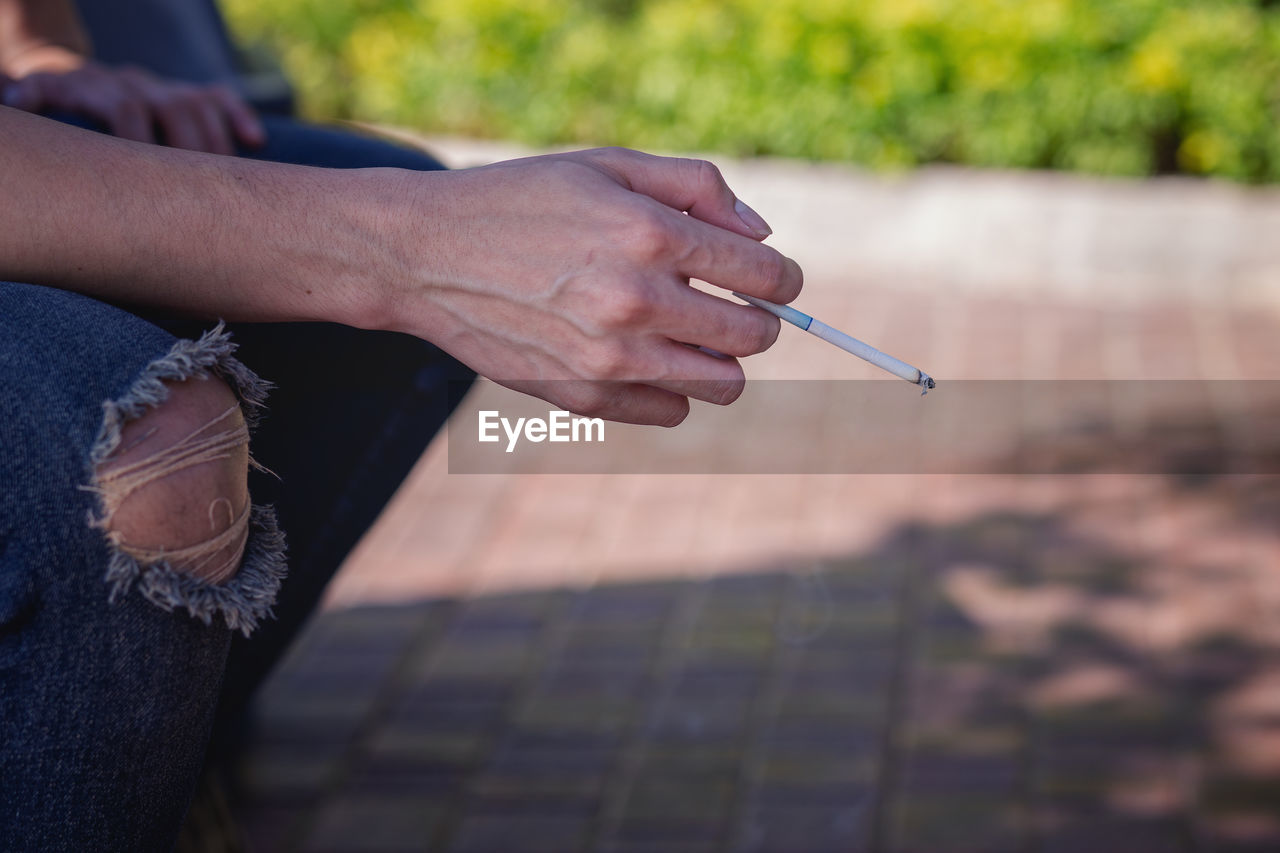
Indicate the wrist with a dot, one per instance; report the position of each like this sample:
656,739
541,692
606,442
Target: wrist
355,242
396,222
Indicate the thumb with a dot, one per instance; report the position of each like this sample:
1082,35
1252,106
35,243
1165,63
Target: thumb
695,187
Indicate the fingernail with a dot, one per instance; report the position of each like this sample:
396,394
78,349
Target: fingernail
751,219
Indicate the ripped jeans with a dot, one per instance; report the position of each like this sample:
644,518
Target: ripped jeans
115,665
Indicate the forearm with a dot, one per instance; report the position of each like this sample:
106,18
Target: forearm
28,27
572,267
204,235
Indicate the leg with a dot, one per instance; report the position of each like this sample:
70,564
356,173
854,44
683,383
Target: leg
366,403
107,683
293,141
182,39
351,413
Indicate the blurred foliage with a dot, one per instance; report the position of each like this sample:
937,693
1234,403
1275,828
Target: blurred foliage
1123,87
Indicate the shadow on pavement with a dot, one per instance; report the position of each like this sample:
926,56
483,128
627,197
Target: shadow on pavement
1104,676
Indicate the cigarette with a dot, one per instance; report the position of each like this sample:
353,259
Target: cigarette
866,352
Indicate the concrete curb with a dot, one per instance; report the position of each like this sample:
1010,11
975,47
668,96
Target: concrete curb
1037,235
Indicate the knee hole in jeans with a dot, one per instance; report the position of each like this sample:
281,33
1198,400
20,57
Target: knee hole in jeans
175,489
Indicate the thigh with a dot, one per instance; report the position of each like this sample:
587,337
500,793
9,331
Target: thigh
182,39
107,700
304,144
351,412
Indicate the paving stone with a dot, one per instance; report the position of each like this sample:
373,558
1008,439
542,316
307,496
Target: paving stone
839,828
638,605
403,778
578,714
821,735
426,746
673,832
958,822
1231,793
541,790
471,690
816,767
562,681
375,825
662,846
609,641
698,722
1251,829
1117,834
664,797
496,657
555,750
489,833
752,682
728,686
939,772
691,668
270,826
720,759
287,773
733,642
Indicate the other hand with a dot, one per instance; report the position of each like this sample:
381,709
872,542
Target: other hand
134,104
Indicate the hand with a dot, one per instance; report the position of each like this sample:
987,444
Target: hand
134,104
567,277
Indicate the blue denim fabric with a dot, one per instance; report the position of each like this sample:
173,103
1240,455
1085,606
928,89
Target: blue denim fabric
106,704
107,708
181,39
364,403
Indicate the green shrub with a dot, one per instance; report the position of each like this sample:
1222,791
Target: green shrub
1126,87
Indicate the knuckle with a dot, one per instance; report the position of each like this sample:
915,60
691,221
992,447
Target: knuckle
610,360
589,399
176,97
792,279
704,173
131,110
775,273
771,269
746,333
625,307
758,334
649,237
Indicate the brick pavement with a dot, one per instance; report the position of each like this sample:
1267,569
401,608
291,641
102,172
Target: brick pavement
942,662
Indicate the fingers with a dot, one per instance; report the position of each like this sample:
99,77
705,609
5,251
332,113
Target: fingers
728,261
192,123
189,117
691,186
709,242
693,374
21,94
244,122
623,402
703,376
133,104
718,324
694,249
